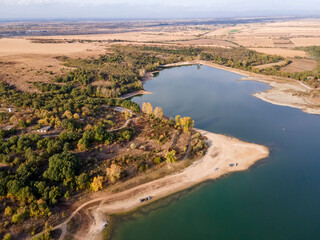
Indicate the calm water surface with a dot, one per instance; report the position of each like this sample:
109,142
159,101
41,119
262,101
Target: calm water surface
279,198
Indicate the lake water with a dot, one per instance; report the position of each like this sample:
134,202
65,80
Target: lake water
278,198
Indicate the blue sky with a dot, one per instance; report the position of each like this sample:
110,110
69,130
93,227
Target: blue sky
141,9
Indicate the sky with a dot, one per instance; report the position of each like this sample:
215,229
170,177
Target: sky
154,9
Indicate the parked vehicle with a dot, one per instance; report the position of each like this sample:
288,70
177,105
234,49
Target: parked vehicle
145,199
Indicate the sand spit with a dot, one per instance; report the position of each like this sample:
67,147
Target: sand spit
222,152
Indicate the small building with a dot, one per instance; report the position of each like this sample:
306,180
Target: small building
10,110
44,129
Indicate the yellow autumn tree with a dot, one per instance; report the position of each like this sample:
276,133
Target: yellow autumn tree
147,108
114,172
158,113
96,184
57,122
186,123
171,156
177,120
76,116
67,114
126,114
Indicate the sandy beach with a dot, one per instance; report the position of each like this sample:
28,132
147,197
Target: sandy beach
222,152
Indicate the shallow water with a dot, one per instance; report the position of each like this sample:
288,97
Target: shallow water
279,198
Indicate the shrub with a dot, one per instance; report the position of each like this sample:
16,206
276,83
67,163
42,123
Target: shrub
8,211
20,216
7,237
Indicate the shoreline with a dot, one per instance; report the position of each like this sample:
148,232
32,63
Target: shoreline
222,151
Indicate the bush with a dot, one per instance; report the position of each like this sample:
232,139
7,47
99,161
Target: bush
157,160
20,216
8,211
7,237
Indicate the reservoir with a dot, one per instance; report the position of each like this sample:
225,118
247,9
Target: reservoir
278,198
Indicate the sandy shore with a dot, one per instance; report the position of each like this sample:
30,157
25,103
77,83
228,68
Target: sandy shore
223,151
283,92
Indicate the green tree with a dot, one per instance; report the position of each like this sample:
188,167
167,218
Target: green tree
62,166
82,181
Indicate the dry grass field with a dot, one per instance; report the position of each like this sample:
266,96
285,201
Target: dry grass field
283,52
306,41
22,60
141,36
208,42
21,46
300,65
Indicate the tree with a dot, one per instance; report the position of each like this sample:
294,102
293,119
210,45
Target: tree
54,194
147,108
8,211
126,114
158,113
7,237
20,216
67,114
96,184
62,166
171,156
82,181
186,123
114,172
67,195
177,120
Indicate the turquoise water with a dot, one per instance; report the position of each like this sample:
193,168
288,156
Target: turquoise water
279,198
